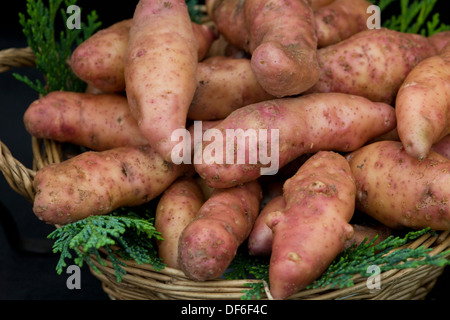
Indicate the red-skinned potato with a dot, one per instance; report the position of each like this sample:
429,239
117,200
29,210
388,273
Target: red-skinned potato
177,207
423,105
260,239
209,243
340,20
371,63
95,121
399,190
99,60
98,182
305,124
160,70
314,225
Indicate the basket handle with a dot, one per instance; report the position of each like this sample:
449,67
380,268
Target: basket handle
16,57
18,176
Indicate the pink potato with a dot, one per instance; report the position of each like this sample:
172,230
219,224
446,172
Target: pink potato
224,84
440,40
160,70
423,105
371,63
314,225
177,207
98,182
399,190
95,121
280,36
340,20
210,242
260,239
305,124
99,60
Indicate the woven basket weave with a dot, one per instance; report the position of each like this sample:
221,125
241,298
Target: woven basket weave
143,282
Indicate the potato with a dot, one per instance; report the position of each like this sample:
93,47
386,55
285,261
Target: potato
440,40
314,225
367,233
98,182
160,70
442,147
177,207
340,20
209,243
317,4
423,105
223,85
371,63
95,121
99,60
305,124
260,239
399,190
281,38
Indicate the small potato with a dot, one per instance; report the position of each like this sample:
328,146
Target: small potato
399,190
177,207
95,121
96,183
209,243
260,239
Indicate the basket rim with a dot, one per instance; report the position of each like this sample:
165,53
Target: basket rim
46,152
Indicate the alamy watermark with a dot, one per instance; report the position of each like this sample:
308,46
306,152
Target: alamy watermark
74,20
374,21
235,146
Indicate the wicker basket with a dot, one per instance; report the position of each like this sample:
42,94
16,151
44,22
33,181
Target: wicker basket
143,282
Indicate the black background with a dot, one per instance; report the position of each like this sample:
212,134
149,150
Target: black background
26,275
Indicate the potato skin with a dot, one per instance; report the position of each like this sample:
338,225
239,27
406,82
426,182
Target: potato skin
209,243
177,207
260,239
99,60
340,20
423,105
371,63
306,124
312,229
399,190
442,147
98,182
224,85
160,70
95,121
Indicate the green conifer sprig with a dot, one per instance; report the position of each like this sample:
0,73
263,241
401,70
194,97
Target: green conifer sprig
40,26
123,234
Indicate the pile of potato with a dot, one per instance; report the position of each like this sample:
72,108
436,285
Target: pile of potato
362,116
